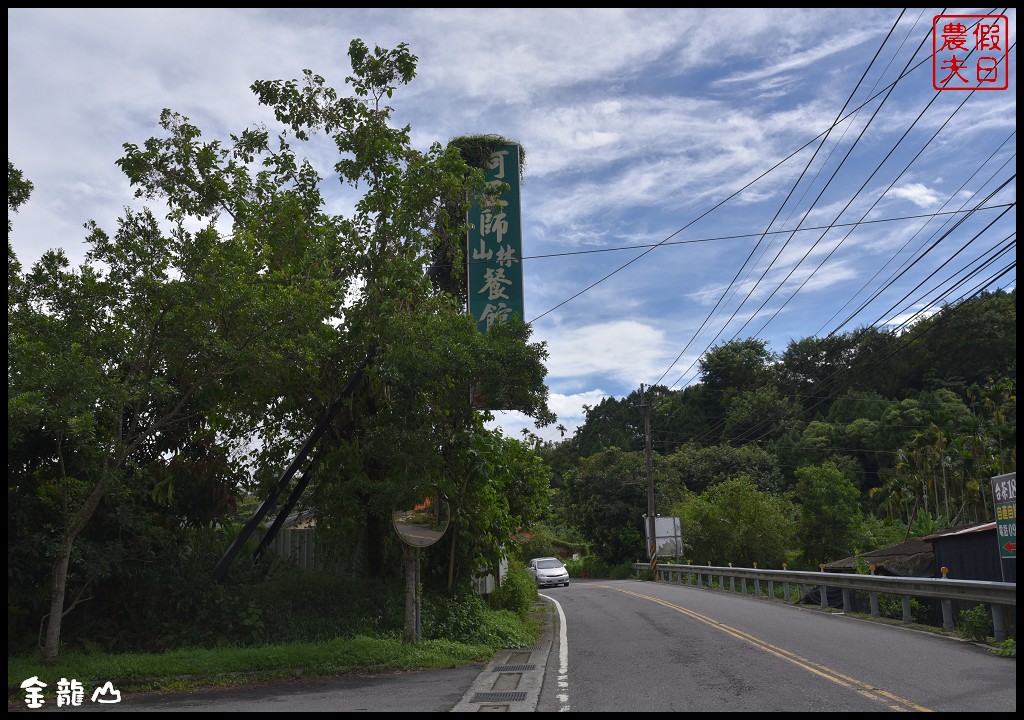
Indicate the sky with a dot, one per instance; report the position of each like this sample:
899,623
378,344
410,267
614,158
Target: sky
692,177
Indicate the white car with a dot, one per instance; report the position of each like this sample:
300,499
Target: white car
548,571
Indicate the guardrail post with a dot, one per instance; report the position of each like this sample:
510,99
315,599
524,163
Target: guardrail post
907,617
757,583
786,595
822,588
771,590
947,615
847,605
873,596
998,626
947,605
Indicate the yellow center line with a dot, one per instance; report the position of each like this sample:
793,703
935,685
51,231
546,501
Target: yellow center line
818,669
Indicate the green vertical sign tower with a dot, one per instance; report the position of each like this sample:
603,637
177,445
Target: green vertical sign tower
495,245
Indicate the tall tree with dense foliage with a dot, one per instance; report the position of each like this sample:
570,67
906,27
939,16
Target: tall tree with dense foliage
607,499
235,327
735,522
699,468
829,513
116,368
728,369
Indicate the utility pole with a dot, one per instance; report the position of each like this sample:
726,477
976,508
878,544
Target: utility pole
651,526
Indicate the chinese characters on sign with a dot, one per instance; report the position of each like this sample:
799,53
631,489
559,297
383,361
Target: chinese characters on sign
969,52
69,693
1004,495
495,244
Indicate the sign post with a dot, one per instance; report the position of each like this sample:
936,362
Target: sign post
1004,497
422,526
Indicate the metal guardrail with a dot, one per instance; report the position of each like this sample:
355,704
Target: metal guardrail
999,596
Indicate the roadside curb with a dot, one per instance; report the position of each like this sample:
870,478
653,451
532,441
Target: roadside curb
513,679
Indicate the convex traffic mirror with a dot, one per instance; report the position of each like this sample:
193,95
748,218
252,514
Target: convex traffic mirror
424,524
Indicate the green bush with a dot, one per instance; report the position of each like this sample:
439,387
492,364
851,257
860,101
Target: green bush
452,617
975,624
592,567
891,606
588,567
517,591
646,574
625,571
465,618
540,543
1007,648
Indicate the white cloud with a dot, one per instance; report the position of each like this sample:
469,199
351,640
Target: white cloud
917,193
568,408
625,350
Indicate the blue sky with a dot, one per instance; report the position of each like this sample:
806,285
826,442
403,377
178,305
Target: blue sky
692,177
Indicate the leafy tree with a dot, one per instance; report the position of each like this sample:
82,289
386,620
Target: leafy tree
829,513
125,363
608,497
679,417
156,367
819,438
731,368
813,368
855,405
427,352
699,468
18,191
879,362
969,341
611,423
504,488
994,445
760,414
734,522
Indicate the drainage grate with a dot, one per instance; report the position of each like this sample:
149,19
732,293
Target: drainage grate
514,668
496,697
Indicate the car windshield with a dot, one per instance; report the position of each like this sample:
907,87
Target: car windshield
548,564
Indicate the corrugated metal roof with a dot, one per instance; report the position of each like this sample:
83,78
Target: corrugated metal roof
963,531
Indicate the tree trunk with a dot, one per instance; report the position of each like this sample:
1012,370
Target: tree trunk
451,555
409,635
58,582
58,590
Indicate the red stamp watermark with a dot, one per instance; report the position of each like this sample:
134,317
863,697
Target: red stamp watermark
970,52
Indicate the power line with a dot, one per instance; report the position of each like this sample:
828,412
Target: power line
866,212
851,200
954,194
849,152
733,194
